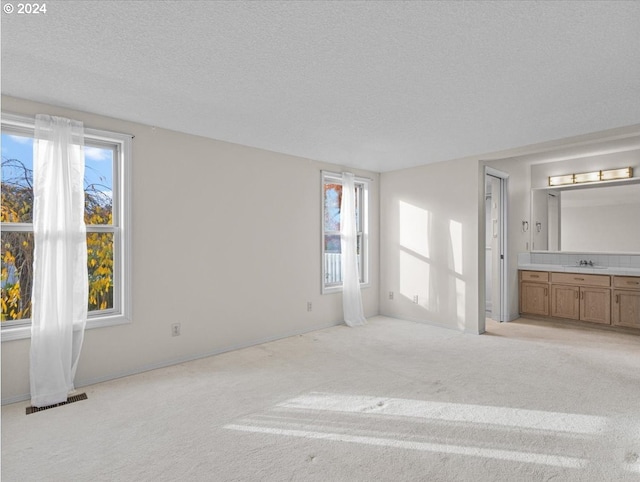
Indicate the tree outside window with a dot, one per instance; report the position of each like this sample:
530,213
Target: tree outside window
17,228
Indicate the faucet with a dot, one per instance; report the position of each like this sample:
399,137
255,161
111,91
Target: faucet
584,262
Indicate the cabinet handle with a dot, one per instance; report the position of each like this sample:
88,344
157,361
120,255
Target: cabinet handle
581,295
633,282
617,297
545,291
579,279
536,276
576,295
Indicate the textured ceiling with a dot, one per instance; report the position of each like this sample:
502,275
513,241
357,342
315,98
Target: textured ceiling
375,85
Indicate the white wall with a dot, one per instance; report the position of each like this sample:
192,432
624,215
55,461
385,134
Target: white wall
226,241
430,244
539,220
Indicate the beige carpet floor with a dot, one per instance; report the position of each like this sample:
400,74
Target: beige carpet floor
390,401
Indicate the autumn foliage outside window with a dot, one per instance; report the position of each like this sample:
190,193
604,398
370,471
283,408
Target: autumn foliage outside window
17,228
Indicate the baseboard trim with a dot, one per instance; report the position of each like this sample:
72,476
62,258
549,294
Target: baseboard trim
426,322
179,360
16,398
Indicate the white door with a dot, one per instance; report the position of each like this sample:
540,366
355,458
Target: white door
488,248
496,276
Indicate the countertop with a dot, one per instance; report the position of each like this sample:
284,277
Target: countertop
581,269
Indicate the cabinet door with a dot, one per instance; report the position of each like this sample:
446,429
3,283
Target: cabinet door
595,305
534,298
565,301
626,308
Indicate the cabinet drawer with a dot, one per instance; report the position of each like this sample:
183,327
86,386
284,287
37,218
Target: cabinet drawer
627,282
534,276
581,279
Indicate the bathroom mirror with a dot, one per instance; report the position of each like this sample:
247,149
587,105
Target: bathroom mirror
593,218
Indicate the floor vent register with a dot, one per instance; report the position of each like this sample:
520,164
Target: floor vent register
74,398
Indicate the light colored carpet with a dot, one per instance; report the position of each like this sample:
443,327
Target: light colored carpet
390,401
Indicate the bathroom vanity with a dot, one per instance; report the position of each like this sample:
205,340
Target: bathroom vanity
584,263
606,295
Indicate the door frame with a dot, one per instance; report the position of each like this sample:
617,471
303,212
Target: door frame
503,305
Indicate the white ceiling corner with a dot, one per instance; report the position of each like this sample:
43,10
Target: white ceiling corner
373,85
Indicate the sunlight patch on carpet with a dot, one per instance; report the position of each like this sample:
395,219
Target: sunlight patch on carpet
489,432
509,455
451,412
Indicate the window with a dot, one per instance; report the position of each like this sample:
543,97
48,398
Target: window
331,249
107,165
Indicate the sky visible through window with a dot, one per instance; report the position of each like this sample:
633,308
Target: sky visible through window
98,162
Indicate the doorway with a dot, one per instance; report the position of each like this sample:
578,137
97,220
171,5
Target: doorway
496,296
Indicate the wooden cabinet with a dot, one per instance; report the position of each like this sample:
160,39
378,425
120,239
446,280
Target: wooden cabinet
595,305
581,303
583,297
534,292
626,301
534,298
565,301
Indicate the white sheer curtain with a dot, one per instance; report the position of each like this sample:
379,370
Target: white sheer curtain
60,258
351,297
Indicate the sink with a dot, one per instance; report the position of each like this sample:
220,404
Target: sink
583,266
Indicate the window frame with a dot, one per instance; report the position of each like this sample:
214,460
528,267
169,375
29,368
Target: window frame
121,144
362,202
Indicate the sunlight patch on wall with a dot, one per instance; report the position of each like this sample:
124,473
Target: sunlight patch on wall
455,238
460,302
414,277
414,228
414,262
455,233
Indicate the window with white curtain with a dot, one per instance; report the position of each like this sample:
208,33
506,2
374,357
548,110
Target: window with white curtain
107,217
331,250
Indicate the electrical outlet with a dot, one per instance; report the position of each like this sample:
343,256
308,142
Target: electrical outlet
390,295
415,299
175,329
309,306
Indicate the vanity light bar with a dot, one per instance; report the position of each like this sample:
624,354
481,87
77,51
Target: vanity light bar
587,177
560,180
593,176
611,174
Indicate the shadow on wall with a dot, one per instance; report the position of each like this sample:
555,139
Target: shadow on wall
431,265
